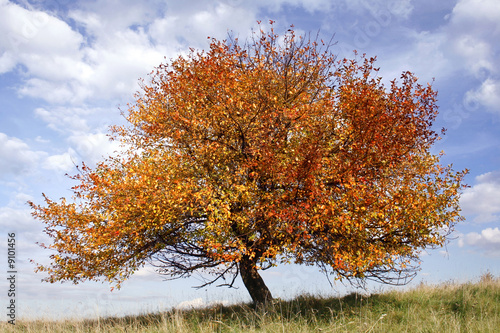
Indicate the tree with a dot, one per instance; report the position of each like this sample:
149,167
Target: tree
248,156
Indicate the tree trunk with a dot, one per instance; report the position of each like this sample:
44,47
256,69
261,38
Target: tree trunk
254,283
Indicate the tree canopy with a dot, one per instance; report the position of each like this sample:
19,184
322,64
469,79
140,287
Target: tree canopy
249,155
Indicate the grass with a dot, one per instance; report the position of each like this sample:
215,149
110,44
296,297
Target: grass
449,307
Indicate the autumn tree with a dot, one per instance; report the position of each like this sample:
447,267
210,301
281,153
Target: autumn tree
249,155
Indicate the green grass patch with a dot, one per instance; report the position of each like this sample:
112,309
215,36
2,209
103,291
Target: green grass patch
449,307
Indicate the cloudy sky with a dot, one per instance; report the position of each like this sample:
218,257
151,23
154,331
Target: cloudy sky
68,67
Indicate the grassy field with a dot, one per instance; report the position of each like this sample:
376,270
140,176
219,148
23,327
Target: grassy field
470,307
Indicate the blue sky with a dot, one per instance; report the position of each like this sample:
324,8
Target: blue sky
68,67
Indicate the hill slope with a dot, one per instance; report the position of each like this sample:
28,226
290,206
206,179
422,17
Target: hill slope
470,307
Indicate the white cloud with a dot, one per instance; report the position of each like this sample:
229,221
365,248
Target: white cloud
488,241
109,70
7,62
103,16
477,52
62,66
122,41
433,60
46,47
198,303
468,37
93,147
61,163
39,139
190,27
195,303
118,63
35,38
464,44
65,119
145,272
473,30
487,94
16,156
401,9
110,46
444,254
20,222
310,6
483,199
77,120
127,47
477,15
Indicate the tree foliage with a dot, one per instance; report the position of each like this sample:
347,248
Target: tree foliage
250,155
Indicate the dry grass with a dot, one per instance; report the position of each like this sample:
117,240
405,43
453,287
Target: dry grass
450,307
